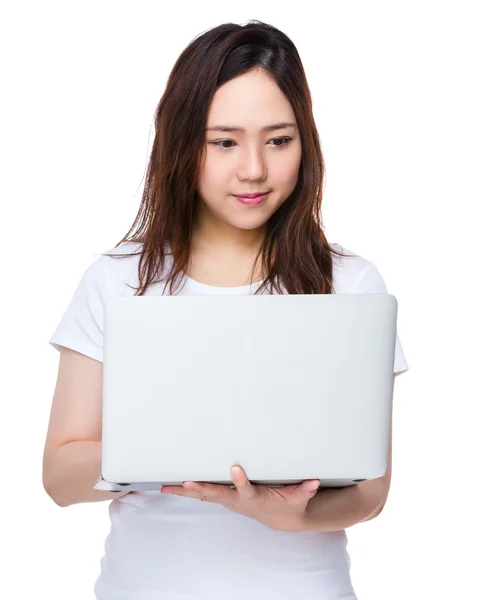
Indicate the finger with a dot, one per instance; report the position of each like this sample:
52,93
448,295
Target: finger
241,482
213,491
311,485
171,488
177,490
307,489
300,492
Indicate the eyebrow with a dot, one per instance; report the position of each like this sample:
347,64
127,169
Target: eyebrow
273,127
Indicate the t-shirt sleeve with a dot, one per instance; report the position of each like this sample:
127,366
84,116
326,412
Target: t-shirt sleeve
81,326
372,282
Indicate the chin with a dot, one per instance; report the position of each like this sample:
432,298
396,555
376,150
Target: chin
248,225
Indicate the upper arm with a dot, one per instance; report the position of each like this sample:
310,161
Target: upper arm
372,282
76,410
388,474
382,483
77,401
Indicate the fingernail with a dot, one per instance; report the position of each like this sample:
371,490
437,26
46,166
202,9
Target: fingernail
189,484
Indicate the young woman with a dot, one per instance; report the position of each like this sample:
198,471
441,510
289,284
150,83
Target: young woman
231,205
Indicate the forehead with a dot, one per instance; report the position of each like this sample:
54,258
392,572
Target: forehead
266,128
251,102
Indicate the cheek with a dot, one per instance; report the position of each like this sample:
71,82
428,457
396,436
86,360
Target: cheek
285,170
286,174
216,174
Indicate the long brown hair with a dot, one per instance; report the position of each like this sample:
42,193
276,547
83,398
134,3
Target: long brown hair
294,252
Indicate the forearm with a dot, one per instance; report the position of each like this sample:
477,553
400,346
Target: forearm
72,471
336,509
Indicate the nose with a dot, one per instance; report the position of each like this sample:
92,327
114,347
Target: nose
252,164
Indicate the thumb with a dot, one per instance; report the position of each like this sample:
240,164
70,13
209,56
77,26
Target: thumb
302,492
240,480
309,487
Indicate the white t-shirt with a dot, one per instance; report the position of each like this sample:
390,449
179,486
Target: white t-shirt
170,547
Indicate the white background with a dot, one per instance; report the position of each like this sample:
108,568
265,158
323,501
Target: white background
396,101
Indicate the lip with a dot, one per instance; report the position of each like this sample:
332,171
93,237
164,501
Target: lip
254,195
251,201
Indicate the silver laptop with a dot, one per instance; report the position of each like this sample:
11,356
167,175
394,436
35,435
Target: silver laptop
290,387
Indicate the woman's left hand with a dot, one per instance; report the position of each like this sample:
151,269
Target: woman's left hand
281,508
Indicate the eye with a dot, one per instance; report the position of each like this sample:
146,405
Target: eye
284,143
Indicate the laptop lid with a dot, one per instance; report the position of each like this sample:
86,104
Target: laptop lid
291,387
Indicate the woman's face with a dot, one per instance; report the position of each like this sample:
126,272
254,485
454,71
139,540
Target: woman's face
248,161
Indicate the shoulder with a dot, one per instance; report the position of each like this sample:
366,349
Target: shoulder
122,269
130,249
121,266
108,268
351,271
112,256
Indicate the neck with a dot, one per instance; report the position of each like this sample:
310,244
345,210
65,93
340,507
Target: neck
217,235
